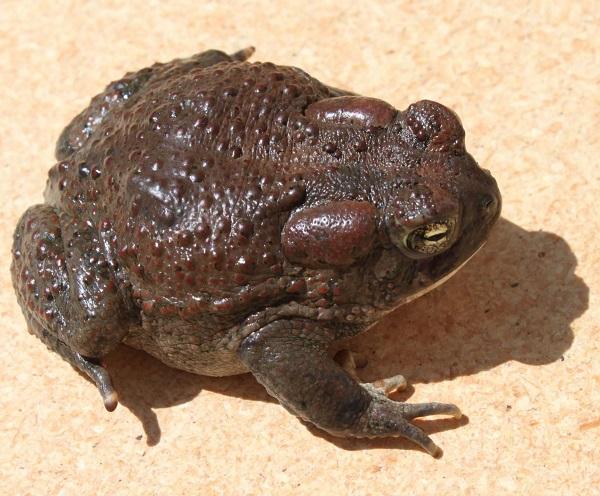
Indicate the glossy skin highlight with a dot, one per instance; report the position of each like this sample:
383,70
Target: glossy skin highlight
209,210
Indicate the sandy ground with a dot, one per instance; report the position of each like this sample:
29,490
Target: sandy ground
513,338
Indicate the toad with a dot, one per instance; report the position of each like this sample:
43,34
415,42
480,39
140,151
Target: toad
230,217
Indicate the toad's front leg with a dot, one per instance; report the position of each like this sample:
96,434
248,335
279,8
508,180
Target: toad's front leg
289,357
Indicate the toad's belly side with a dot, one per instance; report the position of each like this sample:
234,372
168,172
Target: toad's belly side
186,346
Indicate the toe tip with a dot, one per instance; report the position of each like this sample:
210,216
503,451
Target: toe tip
111,401
435,451
457,414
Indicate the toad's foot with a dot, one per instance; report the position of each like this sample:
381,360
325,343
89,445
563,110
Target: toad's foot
89,366
289,357
385,417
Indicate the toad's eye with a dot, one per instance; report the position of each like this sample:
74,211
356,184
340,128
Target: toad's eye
432,238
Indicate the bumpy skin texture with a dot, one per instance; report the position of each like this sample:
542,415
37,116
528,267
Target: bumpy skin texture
228,216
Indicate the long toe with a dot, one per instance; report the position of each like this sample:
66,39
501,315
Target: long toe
416,435
390,384
414,410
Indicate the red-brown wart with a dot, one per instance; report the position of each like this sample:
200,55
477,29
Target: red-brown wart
337,234
357,111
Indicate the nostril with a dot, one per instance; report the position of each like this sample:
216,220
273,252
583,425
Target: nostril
488,204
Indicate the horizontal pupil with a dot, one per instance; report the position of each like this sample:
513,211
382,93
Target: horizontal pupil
435,237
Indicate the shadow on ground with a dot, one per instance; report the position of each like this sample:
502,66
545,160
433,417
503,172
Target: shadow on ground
514,301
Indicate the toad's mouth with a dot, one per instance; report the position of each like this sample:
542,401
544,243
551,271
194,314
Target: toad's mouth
428,283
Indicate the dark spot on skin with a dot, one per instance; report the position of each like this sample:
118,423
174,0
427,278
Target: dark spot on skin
211,128
228,92
185,238
244,227
291,196
223,226
281,118
202,229
360,146
330,147
166,216
260,88
245,263
42,250
291,90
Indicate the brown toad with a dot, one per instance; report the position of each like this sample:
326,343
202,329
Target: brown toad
227,217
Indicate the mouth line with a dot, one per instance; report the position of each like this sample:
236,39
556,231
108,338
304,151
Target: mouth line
427,284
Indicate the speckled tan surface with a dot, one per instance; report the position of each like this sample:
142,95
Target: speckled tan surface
513,338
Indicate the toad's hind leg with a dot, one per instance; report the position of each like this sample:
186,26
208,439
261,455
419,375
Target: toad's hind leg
289,357
68,296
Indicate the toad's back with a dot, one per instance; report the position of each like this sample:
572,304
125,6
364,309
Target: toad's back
188,172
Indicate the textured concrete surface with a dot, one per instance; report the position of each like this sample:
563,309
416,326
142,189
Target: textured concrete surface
512,339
